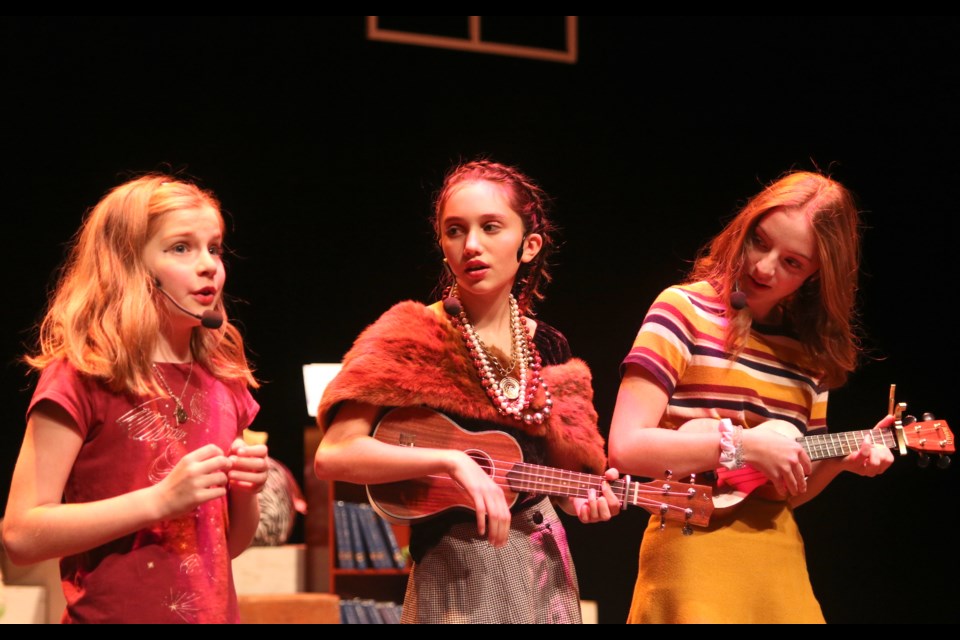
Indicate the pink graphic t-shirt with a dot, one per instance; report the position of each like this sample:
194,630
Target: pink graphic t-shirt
175,571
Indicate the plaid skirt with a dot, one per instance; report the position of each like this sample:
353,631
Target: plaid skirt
530,580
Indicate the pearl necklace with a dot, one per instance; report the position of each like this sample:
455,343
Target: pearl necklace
510,396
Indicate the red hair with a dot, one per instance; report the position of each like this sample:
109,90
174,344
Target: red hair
102,316
822,310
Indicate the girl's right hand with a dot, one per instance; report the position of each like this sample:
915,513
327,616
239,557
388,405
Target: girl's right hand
778,457
493,513
198,477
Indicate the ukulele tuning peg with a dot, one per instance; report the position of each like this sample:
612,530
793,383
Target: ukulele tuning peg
663,516
909,420
668,474
687,529
943,462
928,416
923,460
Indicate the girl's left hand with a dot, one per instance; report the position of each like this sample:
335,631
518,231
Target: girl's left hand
870,459
598,508
249,470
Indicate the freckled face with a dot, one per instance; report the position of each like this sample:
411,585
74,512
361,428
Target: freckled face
780,255
185,255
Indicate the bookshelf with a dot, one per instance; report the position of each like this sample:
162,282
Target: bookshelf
323,573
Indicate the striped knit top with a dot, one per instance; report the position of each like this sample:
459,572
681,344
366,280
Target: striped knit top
681,343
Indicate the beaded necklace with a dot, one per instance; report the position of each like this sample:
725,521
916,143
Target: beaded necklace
511,396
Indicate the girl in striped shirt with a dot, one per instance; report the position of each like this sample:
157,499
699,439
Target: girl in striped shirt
725,364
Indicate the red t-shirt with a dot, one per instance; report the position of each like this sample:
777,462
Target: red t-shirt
175,571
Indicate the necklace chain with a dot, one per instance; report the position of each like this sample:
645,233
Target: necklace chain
182,415
504,371
510,396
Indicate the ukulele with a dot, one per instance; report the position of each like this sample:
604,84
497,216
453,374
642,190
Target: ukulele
499,454
929,436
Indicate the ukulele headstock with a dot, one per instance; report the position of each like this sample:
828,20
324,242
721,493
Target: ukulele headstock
927,437
686,503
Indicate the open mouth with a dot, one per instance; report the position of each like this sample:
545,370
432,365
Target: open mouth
207,295
476,268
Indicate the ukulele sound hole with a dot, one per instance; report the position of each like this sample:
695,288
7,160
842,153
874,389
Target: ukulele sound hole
481,459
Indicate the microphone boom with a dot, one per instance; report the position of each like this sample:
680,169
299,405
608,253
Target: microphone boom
209,319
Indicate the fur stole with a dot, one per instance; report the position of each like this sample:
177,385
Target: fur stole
412,356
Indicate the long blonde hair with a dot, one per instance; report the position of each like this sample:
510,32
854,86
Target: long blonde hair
103,316
822,311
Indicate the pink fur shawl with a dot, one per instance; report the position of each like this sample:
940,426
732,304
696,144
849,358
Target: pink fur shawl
411,356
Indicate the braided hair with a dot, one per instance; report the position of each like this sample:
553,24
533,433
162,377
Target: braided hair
528,200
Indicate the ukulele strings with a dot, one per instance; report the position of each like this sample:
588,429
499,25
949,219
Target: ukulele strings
842,443
637,498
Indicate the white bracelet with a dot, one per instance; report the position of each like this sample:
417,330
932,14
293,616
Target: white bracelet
731,445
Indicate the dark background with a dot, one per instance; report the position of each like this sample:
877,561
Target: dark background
325,149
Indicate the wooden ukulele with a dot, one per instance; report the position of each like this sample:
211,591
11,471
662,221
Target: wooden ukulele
499,454
927,437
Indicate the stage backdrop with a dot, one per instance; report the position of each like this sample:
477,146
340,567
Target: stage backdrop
326,147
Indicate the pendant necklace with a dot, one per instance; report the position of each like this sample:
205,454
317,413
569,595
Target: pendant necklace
182,415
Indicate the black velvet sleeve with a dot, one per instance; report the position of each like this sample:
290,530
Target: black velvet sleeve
553,345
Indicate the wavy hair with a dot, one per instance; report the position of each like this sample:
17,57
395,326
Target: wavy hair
528,200
103,316
822,312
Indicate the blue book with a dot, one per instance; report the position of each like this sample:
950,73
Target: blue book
373,538
369,608
363,617
389,612
356,537
348,612
341,522
393,549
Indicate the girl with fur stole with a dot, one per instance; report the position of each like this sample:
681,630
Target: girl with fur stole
481,360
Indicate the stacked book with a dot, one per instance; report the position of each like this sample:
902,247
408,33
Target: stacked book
365,540
366,611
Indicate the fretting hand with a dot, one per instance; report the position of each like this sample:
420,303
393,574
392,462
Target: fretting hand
596,508
870,459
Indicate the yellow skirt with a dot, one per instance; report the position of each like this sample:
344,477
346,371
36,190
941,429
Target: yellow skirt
749,567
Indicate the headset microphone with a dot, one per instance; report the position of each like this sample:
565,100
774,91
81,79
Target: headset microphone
738,299
521,248
209,319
